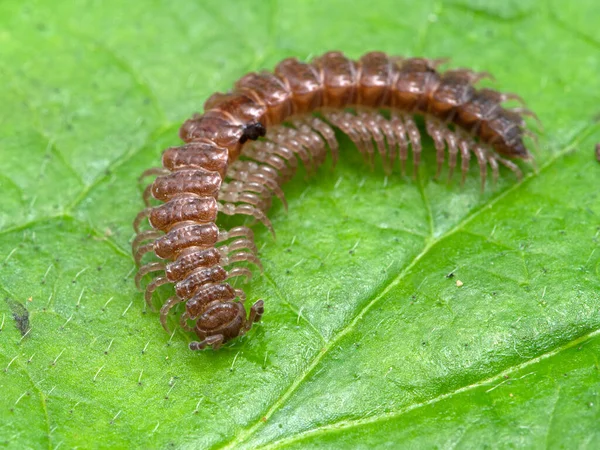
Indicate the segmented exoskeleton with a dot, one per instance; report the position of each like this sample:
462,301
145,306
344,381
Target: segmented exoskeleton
248,143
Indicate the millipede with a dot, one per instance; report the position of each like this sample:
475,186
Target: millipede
248,142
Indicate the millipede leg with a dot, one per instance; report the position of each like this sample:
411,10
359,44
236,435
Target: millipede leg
313,142
512,166
465,155
327,132
146,269
259,189
494,165
291,135
522,111
230,209
259,154
239,244
435,130
347,128
164,311
256,313
281,136
272,185
372,125
143,214
144,236
280,150
152,286
367,139
142,250
241,294
214,341
435,63
236,187
415,142
251,167
154,171
391,142
246,197
245,232
240,272
183,322
256,177
400,131
511,96
531,135
481,160
147,195
245,186
473,76
450,139
242,257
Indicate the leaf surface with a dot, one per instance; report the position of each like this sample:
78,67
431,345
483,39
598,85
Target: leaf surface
367,338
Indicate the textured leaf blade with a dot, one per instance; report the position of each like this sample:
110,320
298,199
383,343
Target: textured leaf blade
366,338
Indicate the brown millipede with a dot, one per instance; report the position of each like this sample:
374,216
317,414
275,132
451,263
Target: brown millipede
248,143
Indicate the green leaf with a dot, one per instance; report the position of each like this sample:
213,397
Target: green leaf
367,340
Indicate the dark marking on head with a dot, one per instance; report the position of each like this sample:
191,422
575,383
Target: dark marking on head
252,131
20,315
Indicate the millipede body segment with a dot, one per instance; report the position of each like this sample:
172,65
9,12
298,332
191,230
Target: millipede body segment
249,142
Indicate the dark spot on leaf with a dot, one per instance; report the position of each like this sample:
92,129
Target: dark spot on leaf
20,315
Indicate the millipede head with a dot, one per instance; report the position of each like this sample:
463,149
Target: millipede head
224,321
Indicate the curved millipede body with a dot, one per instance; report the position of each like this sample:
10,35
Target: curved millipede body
250,141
